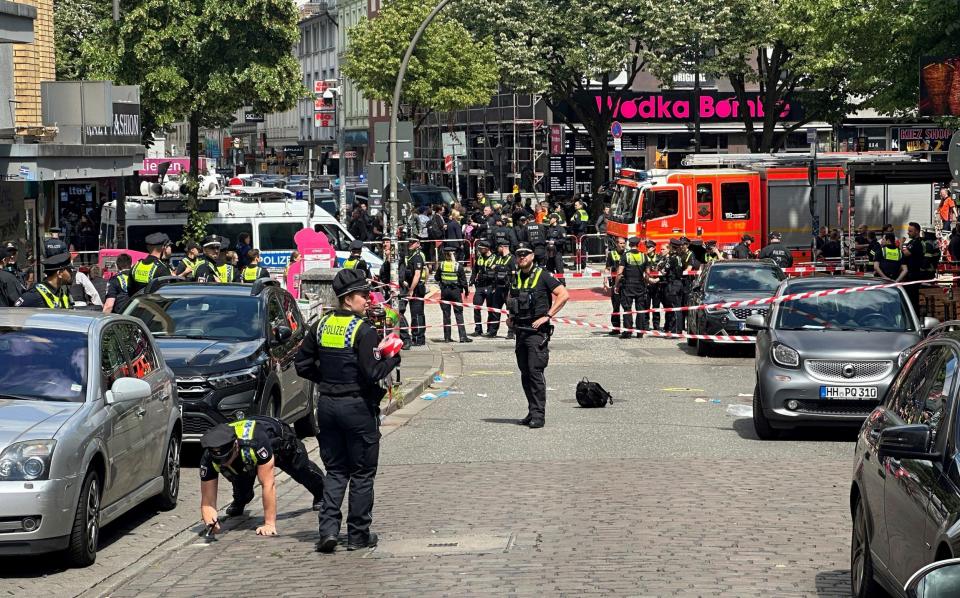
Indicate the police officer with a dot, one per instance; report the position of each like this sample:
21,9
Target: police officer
536,236
118,287
340,356
913,251
227,270
248,450
742,250
612,271
555,245
356,261
499,232
775,251
654,280
52,292
10,287
54,245
481,278
453,285
188,265
633,288
152,266
535,297
504,269
253,270
207,269
579,223
414,285
672,272
931,255
690,266
888,262
712,252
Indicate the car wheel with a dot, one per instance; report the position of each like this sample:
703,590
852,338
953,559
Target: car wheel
167,500
691,342
862,581
307,425
760,422
704,348
271,407
82,548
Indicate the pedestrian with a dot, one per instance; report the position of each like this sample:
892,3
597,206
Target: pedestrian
356,261
741,251
340,356
655,284
453,286
776,252
99,283
207,270
947,209
931,255
823,236
188,265
244,245
436,232
414,289
454,234
118,295
631,283
535,298
481,279
153,266
10,286
292,259
504,270
612,271
253,270
888,263
248,450
861,242
672,273
602,220
53,291
831,249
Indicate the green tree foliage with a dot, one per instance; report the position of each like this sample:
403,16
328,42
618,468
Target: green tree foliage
75,21
202,61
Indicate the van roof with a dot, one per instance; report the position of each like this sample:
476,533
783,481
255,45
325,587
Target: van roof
139,207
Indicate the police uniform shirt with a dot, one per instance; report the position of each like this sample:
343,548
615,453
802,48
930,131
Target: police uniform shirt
504,267
150,263
482,273
266,435
60,298
915,260
415,261
890,260
183,269
635,264
253,272
740,252
541,284
451,274
778,253
356,263
206,271
614,257
118,289
10,289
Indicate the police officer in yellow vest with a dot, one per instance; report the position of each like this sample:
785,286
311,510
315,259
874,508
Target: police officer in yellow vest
612,270
253,270
481,279
153,266
248,450
190,262
632,283
453,286
228,270
207,269
889,263
53,291
355,261
340,356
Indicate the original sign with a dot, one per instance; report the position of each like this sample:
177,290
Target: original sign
677,106
125,128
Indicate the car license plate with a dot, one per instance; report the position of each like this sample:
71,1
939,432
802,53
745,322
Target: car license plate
848,392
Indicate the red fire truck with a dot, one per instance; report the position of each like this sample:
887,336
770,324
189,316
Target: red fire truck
766,193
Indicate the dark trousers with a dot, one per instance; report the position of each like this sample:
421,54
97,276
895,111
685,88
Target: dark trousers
532,361
499,300
685,302
451,293
555,263
349,441
417,318
292,459
482,294
654,300
672,297
634,300
615,304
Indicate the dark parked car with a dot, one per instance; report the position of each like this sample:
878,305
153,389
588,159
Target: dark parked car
905,495
730,280
232,348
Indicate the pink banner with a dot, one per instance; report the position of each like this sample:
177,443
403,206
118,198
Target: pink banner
177,165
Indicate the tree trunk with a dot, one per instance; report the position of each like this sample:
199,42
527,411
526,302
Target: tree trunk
196,227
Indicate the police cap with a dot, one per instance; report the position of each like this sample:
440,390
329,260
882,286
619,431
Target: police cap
633,241
157,239
712,243
349,281
746,237
774,236
523,249
684,240
10,246
503,243
219,440
484,243
211,241
56,262
650,244
413,241
356,245
676,243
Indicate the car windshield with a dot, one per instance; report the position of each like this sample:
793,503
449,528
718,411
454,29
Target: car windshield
624,202
879,310
742,278
222,317
43,364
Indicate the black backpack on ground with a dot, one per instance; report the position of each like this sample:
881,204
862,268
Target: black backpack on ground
591,394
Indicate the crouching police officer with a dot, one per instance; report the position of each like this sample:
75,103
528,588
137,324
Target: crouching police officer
340,356
249,449
535,297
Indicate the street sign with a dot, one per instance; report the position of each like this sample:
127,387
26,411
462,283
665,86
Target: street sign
811,135
322,119
252,117
349,154
616,129
319,87
381,136
454,143
448,163
323,105
556,139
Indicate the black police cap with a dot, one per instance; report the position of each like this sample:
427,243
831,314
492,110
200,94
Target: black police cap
633,241
356,245
483,243
676,243
650,244
211,241
56,262
218,438
503,243
157,239
349,281
523,248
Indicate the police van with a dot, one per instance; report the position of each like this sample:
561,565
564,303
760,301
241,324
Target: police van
272,217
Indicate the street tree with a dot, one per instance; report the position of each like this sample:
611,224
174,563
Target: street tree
202,61
75,21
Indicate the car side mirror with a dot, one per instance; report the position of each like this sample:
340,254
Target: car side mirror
930,323
128,389
756,322
282,333
937,580
906,442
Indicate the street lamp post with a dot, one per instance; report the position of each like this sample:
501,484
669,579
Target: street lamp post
331,93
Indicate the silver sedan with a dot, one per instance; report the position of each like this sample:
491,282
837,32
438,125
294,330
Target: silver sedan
90,426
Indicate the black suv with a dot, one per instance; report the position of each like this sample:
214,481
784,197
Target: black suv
905,495
729,280
232,348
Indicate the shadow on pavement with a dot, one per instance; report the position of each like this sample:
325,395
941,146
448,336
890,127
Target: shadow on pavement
834,584
502,420
744,428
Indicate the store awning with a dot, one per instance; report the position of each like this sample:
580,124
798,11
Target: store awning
55,161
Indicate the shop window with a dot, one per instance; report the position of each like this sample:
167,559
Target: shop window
705,201
735,201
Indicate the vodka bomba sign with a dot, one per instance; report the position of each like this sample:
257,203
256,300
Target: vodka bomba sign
678,106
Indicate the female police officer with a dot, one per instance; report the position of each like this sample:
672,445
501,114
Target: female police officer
340,356
535,297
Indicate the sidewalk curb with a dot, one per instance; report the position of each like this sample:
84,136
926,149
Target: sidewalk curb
180,539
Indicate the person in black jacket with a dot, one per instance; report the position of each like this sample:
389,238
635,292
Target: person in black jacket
556,237
775,251
742,250
340,356
10,287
